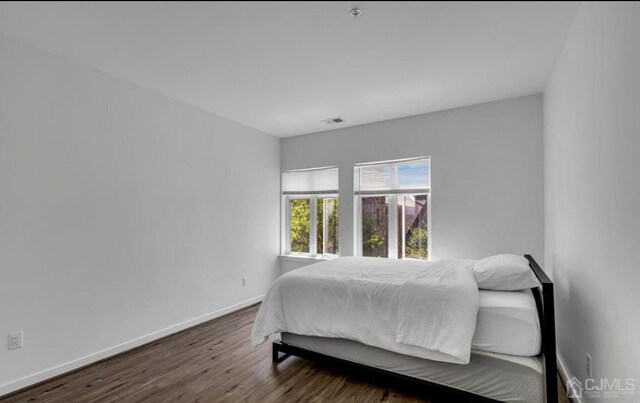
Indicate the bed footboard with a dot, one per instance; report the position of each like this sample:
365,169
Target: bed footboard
546,314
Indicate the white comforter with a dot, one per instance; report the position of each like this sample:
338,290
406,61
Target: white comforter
423,309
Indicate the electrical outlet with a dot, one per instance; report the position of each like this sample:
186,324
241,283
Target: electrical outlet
15,340
589,366
244,281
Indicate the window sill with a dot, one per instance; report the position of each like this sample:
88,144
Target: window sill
303,258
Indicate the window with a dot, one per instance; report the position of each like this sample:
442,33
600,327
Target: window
392,208
310,212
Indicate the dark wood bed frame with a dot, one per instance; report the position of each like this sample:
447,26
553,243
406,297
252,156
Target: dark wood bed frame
544,303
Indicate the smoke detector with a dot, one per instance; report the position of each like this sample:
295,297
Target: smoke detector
355,12
333,121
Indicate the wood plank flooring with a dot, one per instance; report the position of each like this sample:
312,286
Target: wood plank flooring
215,362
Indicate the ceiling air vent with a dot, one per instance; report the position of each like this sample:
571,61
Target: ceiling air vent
333,121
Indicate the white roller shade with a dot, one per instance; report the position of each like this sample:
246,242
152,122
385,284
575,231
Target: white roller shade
404,176
310,181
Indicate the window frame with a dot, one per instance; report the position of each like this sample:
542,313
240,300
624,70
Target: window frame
392,219
313,224
309,187
392,222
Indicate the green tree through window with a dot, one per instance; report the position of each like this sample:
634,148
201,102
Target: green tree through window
417,241
375,213
300,225
332,225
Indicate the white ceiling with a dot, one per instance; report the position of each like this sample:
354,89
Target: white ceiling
282,67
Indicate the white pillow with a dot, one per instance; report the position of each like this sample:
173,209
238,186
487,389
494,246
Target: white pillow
504,273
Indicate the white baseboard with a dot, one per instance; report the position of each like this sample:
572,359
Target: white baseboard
100,355
566,374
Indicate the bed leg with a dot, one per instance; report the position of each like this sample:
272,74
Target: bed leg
275,353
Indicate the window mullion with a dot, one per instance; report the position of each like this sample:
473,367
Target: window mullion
404,229
287,236
429,238
313,226
393,227
325,225
358,228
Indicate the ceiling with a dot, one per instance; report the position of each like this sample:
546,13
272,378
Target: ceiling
283,67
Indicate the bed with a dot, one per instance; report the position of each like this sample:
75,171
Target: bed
511,355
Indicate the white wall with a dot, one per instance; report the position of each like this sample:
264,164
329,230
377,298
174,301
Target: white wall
592,191
122,213
487,174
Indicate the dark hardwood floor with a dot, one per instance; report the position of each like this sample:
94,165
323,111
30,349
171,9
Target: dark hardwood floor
215,362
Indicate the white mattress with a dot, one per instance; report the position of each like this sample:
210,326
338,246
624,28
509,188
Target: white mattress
507,323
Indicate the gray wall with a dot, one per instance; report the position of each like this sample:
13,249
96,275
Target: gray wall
487,174
592,191
123,214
